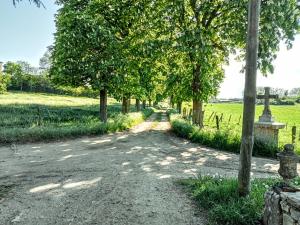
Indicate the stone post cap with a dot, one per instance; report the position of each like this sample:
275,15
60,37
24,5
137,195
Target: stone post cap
288,152
289,148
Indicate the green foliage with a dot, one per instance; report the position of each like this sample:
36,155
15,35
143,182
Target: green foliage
102,44
33,117
4,82
20,76
85,51
219,196
284,102
198,37
182,128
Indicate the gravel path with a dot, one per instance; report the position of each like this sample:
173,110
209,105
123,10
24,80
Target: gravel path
123,179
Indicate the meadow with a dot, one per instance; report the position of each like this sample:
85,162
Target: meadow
232,119
26,117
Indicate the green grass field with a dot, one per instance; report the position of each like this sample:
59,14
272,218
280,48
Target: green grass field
36,117
289,115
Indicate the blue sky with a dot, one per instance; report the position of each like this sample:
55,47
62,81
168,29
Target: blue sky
26,31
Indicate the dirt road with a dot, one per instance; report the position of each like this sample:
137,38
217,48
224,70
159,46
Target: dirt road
123,179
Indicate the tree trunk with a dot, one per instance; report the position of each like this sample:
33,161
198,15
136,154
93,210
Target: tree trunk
198,113
179,106
103,105
249,99
124,105
197,104
144,104
150,103
138,105
171,101
128,104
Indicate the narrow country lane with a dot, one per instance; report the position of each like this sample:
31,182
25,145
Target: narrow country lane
119,179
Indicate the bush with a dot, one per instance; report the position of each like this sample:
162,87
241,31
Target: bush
220,139
219,196
284,102
42,83
4,81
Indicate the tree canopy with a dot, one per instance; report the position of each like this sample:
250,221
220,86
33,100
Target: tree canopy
168,48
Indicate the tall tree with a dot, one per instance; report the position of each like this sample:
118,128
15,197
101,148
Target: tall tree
86,51
45,60
206,32
14,70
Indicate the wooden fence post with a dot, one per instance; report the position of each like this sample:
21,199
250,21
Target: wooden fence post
211,115
229,118
218,122
191,113
240,120
184,113
39,116
221,119
294,134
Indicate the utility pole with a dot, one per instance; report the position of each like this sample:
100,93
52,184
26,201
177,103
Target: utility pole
249,98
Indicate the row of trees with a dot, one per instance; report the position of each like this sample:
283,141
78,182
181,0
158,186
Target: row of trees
152,49
175,48
21,76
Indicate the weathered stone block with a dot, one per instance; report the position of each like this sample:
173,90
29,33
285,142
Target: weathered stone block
268,132
295,214
285,207
293,199
272,211
288,220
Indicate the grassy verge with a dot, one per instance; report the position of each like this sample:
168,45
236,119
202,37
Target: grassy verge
219,197
32,117
231,114
226,139
118,122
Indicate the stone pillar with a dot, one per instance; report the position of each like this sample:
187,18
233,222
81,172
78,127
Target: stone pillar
268,132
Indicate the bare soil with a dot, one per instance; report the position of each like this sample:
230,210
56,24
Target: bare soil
124,178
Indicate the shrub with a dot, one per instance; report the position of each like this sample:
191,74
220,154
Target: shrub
264,149
284,102
4,81
42,83
182,128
